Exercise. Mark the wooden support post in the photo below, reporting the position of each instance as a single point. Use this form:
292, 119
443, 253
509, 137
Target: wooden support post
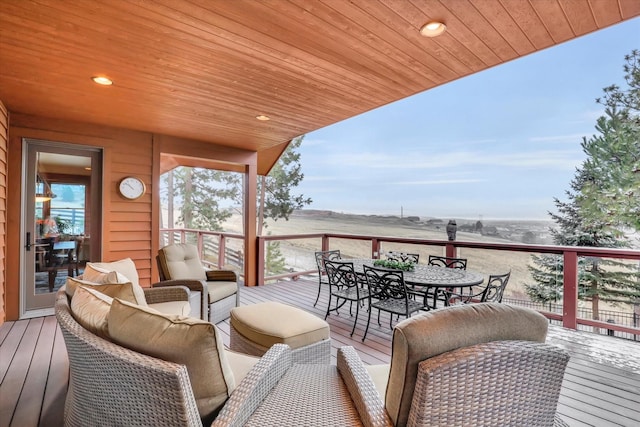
222, 251
252, 274
570, 293
375, 248
325, 243
450, 250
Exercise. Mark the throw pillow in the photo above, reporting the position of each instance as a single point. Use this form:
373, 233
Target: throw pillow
184, 340
100, 275
91, 309
126, 267
124, 291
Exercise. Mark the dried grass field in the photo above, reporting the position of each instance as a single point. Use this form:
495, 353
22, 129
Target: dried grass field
299, 253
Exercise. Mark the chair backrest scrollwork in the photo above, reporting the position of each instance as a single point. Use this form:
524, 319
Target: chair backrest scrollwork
449, 262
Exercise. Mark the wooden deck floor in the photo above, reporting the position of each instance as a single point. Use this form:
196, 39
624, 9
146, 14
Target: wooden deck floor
601, 385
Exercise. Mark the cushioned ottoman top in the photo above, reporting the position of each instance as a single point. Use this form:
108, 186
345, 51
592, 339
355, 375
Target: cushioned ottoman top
269, 323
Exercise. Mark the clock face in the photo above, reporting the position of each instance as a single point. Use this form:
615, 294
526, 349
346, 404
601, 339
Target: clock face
131, 188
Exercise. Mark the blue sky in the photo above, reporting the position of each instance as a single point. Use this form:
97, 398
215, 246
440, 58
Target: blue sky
498, 144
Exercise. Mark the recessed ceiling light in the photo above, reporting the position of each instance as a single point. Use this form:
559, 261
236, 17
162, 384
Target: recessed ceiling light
101, 80
262, 117
433, 29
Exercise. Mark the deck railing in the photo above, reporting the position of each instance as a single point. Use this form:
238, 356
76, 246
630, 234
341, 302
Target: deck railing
569, 317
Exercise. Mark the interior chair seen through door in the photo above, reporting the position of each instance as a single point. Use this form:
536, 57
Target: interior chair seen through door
220, 289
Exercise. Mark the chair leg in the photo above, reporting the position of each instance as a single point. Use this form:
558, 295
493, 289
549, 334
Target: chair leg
318, 297
328, 307
368, 321
355, 321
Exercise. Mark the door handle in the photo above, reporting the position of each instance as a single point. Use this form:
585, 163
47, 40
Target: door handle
28, 245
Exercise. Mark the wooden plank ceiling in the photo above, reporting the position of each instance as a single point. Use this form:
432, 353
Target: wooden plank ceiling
204, 69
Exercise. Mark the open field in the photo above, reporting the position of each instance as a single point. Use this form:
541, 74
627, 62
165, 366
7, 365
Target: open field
299, 253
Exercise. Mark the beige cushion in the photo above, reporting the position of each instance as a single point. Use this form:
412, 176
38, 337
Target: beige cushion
181, 261
91, 309
184, 340
269, 323
380, 376
221, 290
126, 267
240, 364
94, 274
126, 291
421, 337
178, 308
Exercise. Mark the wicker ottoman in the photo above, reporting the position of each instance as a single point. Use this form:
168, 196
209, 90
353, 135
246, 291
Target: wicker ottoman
255, 328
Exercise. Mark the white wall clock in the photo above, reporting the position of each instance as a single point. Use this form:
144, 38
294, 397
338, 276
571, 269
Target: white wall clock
131, 188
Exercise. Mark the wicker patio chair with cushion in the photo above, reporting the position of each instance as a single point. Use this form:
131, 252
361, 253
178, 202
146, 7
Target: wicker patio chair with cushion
388, 293
220, 291
344, 287
402, 257
109, 277
157, 383
515, 378
491, 292
322, 274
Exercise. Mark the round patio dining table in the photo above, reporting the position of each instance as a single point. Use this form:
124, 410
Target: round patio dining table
425, 277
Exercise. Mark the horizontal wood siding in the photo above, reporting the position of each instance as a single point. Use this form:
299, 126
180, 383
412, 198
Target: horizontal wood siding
129, 229
126, 231
4, 120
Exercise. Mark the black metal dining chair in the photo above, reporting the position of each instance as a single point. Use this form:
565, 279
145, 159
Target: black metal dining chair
322, 274
344, 287
448, 262
388, 292
402, 257
441, 294
493, 291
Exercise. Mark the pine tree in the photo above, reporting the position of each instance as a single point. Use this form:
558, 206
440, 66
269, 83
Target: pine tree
200, 193
601, 203
274, 259
276, 198
613, 199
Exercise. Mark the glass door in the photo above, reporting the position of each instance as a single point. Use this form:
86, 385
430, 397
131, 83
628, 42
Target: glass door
62, 220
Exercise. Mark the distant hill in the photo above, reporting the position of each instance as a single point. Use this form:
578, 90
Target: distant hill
520, 231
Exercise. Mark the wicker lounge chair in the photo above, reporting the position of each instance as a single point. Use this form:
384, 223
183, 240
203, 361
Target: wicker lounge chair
219, 289
113, 385
469, 365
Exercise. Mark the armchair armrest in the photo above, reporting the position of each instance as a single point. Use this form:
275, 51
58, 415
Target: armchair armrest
159, 295
194, 286
362, 389
222, 275
253, 389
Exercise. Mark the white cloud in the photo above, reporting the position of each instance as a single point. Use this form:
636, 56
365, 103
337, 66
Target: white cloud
439, 182
555, 159
576, 137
